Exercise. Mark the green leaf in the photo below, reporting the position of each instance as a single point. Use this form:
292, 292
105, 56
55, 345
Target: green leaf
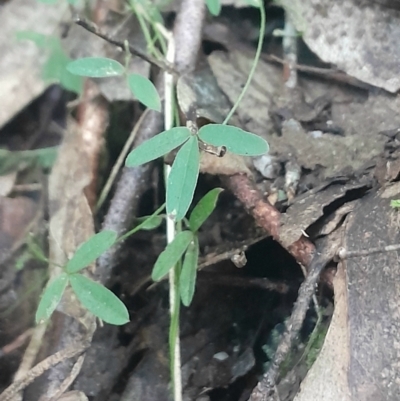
169, 257
35, 249
149, 222
187, 279
90, 250
22, 259
51, 297
41, 41
99, 300
144, 91
203, 209
395, 203
235, 139
158, 146
11, 161
95, 67
44, 157
214, 6
150, 10
182, 179
55, 70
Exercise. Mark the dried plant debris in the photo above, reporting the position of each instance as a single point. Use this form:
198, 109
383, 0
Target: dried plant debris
19, 61
359, 115
71, 223
309, 208
359, 358
359, 37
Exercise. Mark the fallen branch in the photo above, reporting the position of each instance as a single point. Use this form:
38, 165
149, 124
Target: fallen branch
326, 251
267, 216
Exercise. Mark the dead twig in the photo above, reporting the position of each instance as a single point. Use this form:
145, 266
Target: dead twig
69, 379
130, 187
343, 253
327, 73
93, 28
247, 282
18, 342
11, 391
188, 31
266, 216
120, 161
326, 251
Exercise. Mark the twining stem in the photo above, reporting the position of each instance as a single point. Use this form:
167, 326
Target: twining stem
254, 65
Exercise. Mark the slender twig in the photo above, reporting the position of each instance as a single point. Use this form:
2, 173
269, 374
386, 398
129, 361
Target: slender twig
18, 342
343, 253
131, 185
120, 161
93, 28
326, 73
10, 392
267, 216
247, 282
326, 251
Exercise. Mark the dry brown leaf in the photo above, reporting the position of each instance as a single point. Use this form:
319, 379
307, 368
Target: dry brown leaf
71, 223
20, 80
16, 215
229, 164
71, 220
327, 379
359, 37
7, 183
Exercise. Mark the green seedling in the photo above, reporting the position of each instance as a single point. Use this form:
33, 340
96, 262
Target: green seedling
182, 253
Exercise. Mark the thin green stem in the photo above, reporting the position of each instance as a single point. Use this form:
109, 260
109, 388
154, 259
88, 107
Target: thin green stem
253, 67
172, 228
128, 56
139, 227
145, 30
174, 327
